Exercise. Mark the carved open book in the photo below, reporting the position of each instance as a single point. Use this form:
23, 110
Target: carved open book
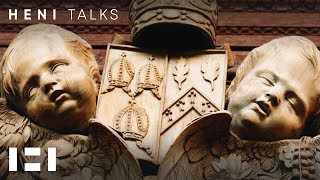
150, 97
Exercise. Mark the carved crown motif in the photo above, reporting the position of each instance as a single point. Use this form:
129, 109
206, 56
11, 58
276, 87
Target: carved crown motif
149, 76
121, 72
132, 122
173, 21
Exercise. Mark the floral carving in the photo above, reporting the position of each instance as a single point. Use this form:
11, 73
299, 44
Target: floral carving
210, 72
180, 71
299, 158
231, 168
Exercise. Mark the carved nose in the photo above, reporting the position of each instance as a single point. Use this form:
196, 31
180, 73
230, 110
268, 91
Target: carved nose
49, 86
273, 99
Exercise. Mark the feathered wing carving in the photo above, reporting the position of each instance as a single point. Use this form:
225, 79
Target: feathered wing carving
14, 132
207, 150
100, 155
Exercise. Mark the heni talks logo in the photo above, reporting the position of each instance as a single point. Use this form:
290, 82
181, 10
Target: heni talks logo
32, 151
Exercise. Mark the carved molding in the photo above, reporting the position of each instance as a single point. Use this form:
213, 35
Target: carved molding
224, 5
221, 30
268, 30
201, 15
76, 28
269, 6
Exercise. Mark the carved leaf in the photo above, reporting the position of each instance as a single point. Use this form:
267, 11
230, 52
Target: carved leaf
210, 71
180, 71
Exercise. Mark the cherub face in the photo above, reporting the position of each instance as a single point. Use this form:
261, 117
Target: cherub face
274, 99
56, 89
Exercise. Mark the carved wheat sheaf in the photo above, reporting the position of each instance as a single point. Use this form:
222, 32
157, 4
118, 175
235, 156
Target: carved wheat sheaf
180, 71
210, 72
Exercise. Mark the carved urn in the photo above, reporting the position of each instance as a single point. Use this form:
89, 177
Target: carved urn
174, 23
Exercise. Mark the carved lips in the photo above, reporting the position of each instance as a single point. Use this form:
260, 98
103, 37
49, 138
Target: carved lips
263, 108
58, 96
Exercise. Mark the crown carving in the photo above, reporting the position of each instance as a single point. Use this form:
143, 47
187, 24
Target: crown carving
151, 18
132, 122
150, 77
121, 72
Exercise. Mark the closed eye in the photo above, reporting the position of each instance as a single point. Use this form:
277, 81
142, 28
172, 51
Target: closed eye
31, 92
295, 103
267, 81
56, 67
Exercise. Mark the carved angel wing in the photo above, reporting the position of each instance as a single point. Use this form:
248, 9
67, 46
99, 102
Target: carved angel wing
207, 150
101, 155
14, 132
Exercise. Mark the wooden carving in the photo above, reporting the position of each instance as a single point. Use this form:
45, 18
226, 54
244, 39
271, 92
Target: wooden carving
262, 103
191, 102
101, 155
210, 71
132, 122
194, 96
207, 150
180, 71
150, 77
138, 122
120, 74
57, 86
178, 94
200, 15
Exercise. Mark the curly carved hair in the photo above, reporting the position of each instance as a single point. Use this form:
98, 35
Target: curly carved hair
77, 46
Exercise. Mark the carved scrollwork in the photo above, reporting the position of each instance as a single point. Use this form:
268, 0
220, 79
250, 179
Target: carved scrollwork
120, 74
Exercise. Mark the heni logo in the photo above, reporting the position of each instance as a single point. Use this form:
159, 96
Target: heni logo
32, 151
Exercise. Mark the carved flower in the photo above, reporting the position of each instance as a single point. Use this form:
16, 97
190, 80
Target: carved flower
231, 168
286, 154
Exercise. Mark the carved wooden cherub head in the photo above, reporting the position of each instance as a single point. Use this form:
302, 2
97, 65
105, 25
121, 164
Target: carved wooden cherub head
275, 91
50, 76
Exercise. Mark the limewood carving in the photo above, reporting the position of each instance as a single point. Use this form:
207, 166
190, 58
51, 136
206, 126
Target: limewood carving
100, 155
260, 139
165, 96
180, 71
207, 150
50, 81
210, 71
120, 74
197, 15
138, 120
150, 77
